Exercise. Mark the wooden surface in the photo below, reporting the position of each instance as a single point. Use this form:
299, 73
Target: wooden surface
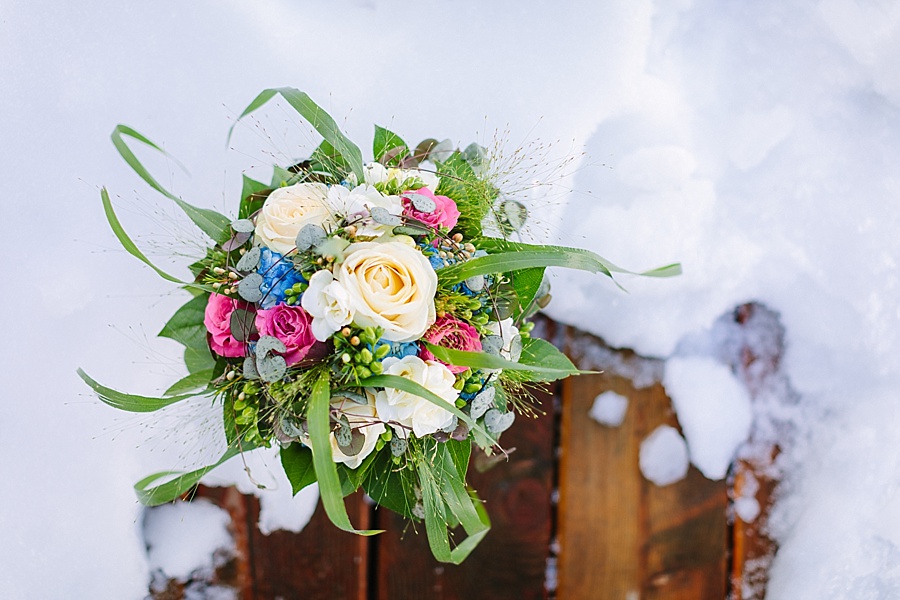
613, 534
510, 563
621, 536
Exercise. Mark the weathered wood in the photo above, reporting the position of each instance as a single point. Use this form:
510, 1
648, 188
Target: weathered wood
621, 536
319, 563
510, 563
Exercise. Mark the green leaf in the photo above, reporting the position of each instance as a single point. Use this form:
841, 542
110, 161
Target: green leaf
442, 492
198, 358
172, 489
297, 461
326, 471
326, 158
253, 195
526, 284
460, 451
186, 325
536, 369
386, 141
129, 402
390, 486
133, 250
318, 118
209, 221
543, 358
191, 382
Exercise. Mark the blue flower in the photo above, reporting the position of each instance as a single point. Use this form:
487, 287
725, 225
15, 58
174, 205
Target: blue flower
400, 349
278, 275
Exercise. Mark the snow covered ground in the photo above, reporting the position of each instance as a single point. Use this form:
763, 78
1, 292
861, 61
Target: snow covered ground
757, 143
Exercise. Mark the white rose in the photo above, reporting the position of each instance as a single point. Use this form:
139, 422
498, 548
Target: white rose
407, 410
360, 201
287, 210
328, 303
364, 419
391, 286
378, 173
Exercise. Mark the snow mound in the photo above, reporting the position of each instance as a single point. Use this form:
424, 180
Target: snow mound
609, 409
664, 456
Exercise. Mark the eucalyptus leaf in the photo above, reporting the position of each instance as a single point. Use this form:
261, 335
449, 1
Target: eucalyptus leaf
250, 371
243, 324
250, 260
398, 446
475, 283
236, 241
268, 344
243, 226
421, 202
383, 217
497, 421
492, 344
482, 402
310, 235
271, 368
249, 287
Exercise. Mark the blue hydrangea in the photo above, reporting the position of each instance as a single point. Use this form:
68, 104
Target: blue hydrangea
278, 275
400, 349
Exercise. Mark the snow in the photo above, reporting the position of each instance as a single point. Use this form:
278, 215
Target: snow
609, 408
663, 457
756, 143
183, 537
713, 410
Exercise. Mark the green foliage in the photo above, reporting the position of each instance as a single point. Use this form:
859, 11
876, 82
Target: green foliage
388, 148
473, 195
209, 221
318, 118
130, 402
297, 461
253, 195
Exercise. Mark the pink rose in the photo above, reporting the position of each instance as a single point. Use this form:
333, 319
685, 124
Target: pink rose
454, 334
217, 318
445, 215
291, 325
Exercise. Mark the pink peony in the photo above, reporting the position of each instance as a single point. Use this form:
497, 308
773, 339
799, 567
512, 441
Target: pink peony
217, 318
290, 324
454, 334
445, 215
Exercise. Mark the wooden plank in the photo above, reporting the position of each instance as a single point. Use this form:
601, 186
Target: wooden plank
510, 563
621, 536
319, 563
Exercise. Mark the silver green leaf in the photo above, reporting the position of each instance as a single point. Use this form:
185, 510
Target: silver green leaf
421, 202
383, 217
250, 260
248, 288
483, 402
398, 446
498, 422
271, 367
309, 236
243, 226
268, 344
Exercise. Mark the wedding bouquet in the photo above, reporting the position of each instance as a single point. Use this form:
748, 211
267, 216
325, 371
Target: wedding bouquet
369, 318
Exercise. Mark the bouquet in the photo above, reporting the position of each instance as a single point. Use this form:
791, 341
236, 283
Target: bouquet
369, 318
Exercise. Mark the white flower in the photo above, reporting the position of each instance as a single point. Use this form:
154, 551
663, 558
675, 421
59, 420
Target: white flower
392, 286
328, 302
287, 210
407, 410
378, 173
359, 202
364, 419
509, 333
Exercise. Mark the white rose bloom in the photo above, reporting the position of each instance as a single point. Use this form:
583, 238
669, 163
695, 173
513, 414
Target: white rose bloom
392, 286
359, 201
508, 333
363, 418
328, 303
287, 210
407, 410
378, 173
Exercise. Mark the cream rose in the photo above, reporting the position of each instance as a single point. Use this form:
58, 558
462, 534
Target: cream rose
392, 286
403, 410
364, 419
328, 302
287, 210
